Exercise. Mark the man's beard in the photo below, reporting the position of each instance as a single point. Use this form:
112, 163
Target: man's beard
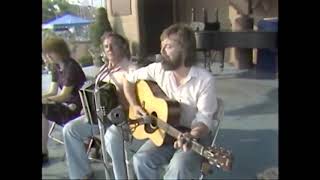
173, 64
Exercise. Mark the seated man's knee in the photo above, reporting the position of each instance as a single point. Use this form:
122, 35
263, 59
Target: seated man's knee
177, 165
112, 134
183, 167
136, 160
140, 159
71, 127
113, 140
181, 164
67, 129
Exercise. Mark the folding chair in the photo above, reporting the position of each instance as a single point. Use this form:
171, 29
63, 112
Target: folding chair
97, 140
53, 126
206, 168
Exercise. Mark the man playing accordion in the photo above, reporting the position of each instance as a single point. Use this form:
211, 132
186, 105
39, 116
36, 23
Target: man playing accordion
118, 64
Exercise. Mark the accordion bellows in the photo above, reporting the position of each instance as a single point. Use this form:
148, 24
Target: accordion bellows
108, 100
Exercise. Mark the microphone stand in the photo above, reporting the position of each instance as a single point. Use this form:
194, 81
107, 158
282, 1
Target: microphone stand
118, 118
100, 113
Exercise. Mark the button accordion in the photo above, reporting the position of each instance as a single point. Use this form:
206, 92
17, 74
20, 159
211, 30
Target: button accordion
108, 100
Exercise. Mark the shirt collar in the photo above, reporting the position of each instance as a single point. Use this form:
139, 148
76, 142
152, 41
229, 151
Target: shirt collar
192, 73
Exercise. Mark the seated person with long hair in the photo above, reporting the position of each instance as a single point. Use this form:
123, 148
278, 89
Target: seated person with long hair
68, 76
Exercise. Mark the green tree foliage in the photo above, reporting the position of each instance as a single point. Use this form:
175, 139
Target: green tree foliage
47, 33
100, 25
85, 60
49, 11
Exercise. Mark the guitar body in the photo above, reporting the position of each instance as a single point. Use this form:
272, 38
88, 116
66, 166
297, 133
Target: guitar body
153, 100
162, 118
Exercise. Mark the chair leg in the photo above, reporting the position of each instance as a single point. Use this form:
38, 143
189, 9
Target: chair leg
52, 137
51, 129
90, 145
96, 141
207, 60
222, 61
57, 140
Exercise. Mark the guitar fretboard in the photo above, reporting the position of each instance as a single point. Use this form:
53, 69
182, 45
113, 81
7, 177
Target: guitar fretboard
175, 133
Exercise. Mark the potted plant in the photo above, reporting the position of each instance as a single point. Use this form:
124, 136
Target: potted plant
97, 29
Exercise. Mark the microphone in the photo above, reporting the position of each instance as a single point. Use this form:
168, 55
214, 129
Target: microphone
118, 118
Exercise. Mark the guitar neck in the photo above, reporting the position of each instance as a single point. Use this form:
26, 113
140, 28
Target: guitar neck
175, 133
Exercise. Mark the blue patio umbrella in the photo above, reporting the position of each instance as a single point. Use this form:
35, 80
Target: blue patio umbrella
64, 21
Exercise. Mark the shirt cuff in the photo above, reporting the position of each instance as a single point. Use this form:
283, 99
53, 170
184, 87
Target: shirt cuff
209, 122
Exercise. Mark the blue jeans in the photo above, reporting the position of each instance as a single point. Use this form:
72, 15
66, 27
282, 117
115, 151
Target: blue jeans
115, 148
75, 132
182, 165
78, 130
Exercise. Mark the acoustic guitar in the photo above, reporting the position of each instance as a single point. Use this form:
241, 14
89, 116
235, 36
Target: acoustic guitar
163, 117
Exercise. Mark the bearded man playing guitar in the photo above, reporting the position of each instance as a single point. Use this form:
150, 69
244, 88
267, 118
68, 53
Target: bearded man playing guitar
194, 88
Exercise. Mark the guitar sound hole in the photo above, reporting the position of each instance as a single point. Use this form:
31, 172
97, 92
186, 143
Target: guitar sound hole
150, 128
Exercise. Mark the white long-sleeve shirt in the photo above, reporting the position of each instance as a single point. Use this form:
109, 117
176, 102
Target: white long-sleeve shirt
197, 95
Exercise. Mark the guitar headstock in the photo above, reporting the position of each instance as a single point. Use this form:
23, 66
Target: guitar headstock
219, 157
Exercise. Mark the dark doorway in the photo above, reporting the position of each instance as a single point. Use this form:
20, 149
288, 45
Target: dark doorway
157, 15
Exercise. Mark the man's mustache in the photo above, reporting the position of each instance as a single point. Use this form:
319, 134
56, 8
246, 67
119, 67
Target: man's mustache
161, 57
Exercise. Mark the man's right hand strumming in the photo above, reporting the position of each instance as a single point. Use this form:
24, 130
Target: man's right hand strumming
138, 111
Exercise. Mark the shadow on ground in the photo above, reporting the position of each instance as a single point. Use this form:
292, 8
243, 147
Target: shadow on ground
257, 150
